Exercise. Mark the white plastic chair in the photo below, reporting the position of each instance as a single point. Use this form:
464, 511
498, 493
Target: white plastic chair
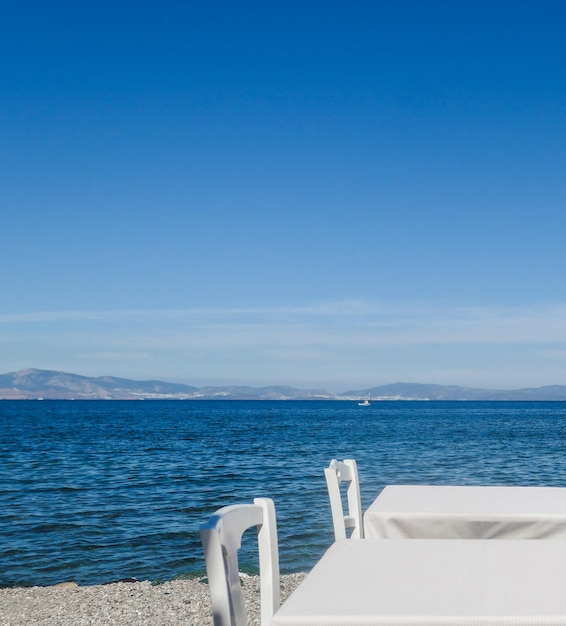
345, 472
221, 539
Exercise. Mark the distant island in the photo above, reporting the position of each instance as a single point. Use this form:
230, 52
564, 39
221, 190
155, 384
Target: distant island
36, 384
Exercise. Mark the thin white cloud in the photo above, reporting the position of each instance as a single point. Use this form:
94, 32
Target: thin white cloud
553, 354
116, 356
345, 308
343, 323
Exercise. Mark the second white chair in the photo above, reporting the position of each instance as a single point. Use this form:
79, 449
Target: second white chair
345, 472
221, 539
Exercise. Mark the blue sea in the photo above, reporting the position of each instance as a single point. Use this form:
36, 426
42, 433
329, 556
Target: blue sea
99, 491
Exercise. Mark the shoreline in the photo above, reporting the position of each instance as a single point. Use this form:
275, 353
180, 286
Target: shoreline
184, 602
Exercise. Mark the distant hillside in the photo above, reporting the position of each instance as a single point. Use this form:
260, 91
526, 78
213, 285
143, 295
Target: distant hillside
30, 384
46, 384
415, 391
33, 383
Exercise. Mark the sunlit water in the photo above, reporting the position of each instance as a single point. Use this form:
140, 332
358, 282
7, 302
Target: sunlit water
105, 490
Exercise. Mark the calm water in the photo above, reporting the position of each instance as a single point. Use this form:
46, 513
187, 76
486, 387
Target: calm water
104, 490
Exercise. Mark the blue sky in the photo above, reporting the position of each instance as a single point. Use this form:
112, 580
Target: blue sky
332, 194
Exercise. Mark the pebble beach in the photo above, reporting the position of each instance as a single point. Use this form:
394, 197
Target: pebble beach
174, 603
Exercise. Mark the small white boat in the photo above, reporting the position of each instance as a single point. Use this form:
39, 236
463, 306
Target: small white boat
366, 402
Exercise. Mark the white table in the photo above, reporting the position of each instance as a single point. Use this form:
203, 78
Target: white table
429, 582
444, 512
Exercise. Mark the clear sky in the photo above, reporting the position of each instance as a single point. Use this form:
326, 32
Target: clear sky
315, 193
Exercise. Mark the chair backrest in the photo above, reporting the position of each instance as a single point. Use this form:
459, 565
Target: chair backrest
221, 539
345, 472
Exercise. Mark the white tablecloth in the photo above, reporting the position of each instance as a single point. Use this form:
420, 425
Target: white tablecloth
443, 512
375, 582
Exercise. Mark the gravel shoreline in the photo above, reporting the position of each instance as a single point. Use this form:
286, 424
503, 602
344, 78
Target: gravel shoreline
174, 603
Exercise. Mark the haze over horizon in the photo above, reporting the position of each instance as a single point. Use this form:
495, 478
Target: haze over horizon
306, 194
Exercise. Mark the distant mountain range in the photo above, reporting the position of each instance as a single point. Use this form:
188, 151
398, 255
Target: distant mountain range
34, 384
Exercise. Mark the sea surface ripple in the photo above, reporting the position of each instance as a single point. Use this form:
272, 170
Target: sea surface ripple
97, 491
